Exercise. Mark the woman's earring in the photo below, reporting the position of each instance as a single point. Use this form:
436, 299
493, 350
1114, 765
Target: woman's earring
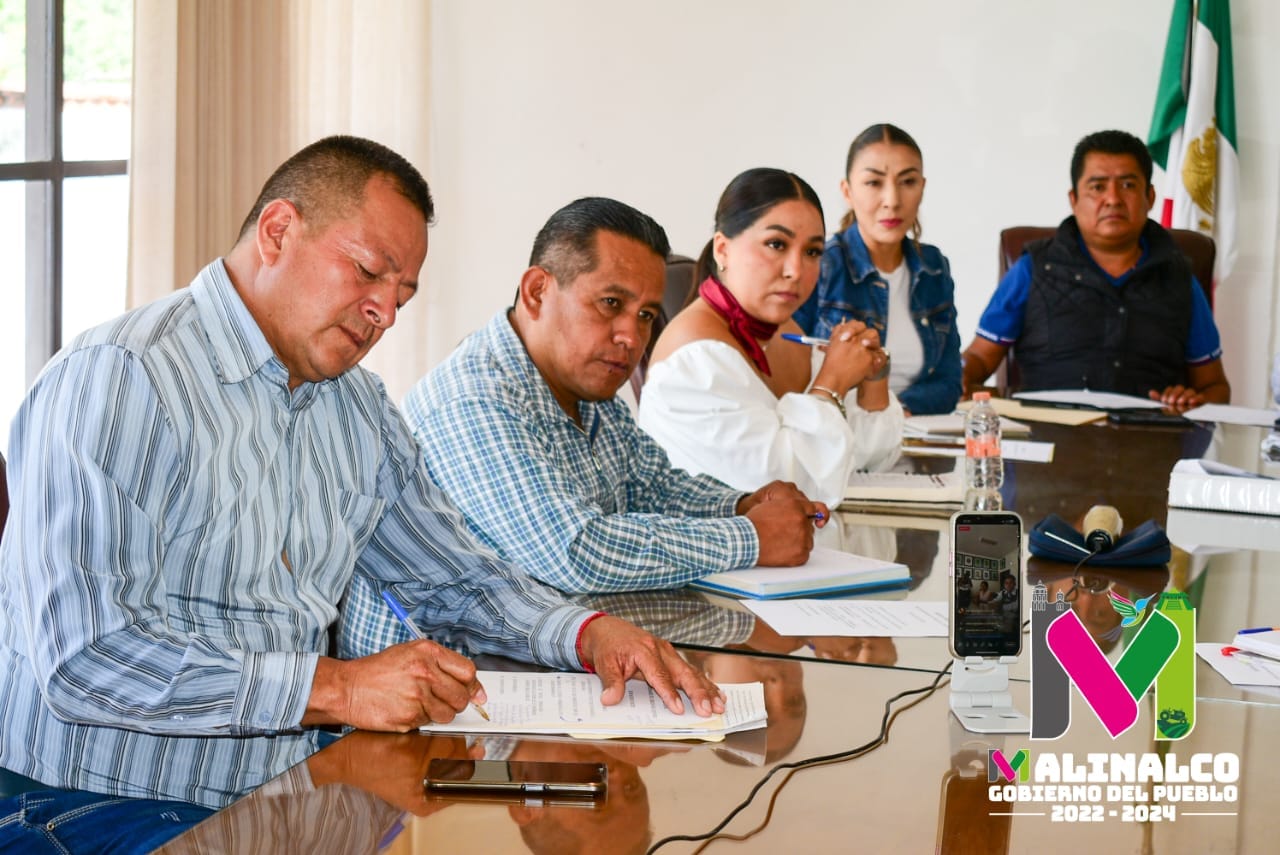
720, 266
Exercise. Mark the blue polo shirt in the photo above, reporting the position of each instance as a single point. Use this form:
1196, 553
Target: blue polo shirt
1001, 322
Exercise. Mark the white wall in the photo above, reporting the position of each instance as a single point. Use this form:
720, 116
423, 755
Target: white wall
661, 103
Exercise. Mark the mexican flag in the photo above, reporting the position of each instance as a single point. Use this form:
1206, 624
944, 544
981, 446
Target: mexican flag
1193, 131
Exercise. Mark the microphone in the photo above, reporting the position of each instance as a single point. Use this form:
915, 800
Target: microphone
1102, 526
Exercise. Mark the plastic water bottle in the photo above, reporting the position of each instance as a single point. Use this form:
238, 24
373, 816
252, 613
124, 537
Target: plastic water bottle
983, 465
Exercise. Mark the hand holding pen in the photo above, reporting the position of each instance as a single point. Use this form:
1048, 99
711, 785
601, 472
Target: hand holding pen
784, 519
853, 357
403, 616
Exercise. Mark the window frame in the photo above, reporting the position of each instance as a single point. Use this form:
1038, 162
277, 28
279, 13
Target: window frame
44, 170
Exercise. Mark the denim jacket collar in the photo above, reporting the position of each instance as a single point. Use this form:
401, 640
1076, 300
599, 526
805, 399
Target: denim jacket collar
859, 257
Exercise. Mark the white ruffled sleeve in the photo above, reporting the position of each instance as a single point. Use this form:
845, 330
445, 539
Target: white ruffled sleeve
712, 413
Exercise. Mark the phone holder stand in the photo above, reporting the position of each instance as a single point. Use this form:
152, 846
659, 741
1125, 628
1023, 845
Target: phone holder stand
980, 696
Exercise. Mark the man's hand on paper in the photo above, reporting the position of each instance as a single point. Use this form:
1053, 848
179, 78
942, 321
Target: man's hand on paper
391, 766
619, 651
399, 689
1177, 398
784, 519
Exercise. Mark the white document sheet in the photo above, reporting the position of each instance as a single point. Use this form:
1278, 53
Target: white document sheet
1238, 669
853, 618
525, 702
1226, 414
1025, 449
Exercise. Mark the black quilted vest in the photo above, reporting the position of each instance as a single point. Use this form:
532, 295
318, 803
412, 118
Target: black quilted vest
1080, 331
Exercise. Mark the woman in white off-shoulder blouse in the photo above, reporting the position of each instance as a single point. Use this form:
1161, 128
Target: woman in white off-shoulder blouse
727, 395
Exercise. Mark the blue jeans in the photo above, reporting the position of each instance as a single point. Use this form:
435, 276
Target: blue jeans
75, 821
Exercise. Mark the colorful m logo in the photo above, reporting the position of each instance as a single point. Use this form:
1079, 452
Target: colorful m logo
1162, 652
1019, 768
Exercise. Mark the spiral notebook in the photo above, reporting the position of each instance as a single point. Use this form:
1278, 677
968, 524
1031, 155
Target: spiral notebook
828, 571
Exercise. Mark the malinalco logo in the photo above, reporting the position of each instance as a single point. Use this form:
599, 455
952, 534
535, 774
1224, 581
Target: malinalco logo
1013, 769
1063, 653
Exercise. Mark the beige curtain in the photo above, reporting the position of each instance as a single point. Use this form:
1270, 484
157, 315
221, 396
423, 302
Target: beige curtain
224, 90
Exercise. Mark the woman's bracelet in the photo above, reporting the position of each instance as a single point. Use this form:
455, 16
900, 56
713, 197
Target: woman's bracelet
836, 399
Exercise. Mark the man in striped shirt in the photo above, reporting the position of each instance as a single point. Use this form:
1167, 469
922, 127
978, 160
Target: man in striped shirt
195, 484
523, 430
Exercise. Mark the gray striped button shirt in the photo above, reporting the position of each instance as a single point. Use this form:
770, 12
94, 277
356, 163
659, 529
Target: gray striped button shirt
183, 528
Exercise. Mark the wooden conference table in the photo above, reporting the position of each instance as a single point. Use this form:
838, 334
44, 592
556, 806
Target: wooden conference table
926, 788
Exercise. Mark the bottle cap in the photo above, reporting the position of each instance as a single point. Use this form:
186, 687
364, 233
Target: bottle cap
981, 396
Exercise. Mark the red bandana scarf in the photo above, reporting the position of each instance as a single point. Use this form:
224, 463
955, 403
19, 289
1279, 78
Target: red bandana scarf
748, 331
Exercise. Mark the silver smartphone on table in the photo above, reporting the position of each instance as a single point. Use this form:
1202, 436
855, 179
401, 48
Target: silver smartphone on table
540, 781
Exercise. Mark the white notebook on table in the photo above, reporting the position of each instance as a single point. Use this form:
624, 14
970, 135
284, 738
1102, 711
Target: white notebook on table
828, 571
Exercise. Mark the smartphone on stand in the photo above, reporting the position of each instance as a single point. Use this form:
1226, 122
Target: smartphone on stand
986, 584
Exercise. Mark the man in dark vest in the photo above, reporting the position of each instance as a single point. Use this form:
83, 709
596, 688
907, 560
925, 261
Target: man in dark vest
1108, 303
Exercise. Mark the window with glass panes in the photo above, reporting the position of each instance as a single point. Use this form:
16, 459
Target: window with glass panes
66, 71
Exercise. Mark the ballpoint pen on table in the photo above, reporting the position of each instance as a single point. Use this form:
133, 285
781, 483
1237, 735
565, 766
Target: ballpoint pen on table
932, 439
1255, 629
403, 617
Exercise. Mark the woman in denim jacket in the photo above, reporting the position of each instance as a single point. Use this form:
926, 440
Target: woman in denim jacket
874, 272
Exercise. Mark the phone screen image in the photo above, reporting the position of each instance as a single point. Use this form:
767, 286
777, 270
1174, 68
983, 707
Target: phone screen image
986, 584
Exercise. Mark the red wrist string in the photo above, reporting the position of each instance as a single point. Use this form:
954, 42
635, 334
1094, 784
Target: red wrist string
577, 644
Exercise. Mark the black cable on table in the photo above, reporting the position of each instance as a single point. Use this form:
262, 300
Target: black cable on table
809, 762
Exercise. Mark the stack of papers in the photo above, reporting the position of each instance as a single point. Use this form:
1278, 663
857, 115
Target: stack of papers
1086, 399
1226, 414
556, 703
1264, 642
905, 492
1212, 486
952, 425
1240, 668
854, 618
828, 571
1030, 412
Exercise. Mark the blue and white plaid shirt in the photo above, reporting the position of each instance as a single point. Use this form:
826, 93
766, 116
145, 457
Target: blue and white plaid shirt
183, 528
587, 509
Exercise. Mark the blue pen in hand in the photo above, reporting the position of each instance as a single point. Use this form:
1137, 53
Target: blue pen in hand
812, 341
403, 617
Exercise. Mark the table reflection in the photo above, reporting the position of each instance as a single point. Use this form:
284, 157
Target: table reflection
700, 620
1087, 591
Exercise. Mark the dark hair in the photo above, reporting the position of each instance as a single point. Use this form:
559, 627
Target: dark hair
881, 133
328, 178
1110, 142
749, 197
566, 245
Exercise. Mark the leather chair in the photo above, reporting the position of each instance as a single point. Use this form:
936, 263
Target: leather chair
1199, 250
679, 288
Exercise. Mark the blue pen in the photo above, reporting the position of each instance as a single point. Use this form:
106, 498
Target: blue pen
403, 617
1256, 629
806, 339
